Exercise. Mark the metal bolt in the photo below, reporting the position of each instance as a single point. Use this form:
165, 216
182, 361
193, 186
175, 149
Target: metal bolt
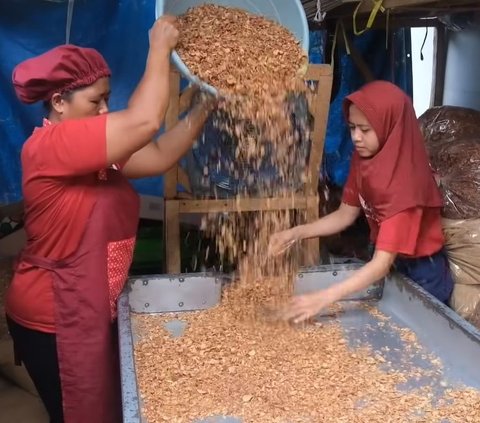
335, 273
180, 304
181, 280
147, 305
145, 282
300, 275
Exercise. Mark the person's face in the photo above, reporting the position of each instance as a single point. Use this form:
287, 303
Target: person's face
364, 137
84, 102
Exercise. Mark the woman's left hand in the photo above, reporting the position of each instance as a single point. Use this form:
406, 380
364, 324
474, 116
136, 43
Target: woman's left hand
306, 306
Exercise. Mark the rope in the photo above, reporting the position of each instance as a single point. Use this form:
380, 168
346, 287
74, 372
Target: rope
319, 16
68, 28
377, 6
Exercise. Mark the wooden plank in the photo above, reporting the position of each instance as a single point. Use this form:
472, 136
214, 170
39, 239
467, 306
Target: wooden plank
183, 179
245, 204
170, 179
316, 72
396, 22
172, 236
186, 98
320, 106
367, 6
311, 256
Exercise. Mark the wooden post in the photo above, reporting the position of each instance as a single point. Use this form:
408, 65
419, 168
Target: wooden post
319, 107
171, 119
172, 236
171, 224
307, 201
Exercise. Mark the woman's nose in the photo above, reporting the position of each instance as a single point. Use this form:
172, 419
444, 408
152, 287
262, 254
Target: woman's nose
103, 108
356, 135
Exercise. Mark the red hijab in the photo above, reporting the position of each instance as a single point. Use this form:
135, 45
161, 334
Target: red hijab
398, 177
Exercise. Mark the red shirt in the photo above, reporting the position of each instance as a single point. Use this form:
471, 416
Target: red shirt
60, 164
415, 232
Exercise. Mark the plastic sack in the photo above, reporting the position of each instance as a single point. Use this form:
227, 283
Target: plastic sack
465, 300
449, 123
457, 169
462, 242
452, 139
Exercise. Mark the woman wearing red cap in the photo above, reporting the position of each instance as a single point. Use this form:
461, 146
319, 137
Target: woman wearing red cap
390, 180
81, 218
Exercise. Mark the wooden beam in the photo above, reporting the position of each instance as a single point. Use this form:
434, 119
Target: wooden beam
396, 22
186, 98
170, 179
246, 204
316, 72
366, 7
312, 246
183, 179
172, 236
319, 107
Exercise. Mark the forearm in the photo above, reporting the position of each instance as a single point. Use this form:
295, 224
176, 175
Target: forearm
373, 271
130, 130
151, 97
329, 225
175, 143
159, 156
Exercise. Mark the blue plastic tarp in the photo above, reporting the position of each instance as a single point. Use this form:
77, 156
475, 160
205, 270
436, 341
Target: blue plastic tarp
117, 28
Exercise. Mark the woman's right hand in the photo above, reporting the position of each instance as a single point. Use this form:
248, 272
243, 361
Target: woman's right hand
282, 241
164, 33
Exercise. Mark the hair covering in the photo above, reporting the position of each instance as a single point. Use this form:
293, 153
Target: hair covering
398, 177
61, 69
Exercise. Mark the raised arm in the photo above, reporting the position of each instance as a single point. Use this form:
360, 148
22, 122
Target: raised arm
131, 129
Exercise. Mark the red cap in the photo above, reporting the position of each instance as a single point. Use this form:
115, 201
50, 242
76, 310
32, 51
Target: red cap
59, 70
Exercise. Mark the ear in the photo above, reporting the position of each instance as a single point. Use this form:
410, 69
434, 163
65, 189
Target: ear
58, 103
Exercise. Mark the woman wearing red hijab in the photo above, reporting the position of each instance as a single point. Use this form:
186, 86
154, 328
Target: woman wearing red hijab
81, 217
390, 180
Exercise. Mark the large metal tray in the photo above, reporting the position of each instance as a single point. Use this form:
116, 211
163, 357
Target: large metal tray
439, 330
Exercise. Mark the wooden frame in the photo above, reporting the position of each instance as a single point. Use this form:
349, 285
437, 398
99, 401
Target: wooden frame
180, 203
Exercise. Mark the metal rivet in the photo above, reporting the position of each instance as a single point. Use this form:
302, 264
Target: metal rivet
145, 283
181, 280
335, 273
180, 304
147, 305
300, 275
